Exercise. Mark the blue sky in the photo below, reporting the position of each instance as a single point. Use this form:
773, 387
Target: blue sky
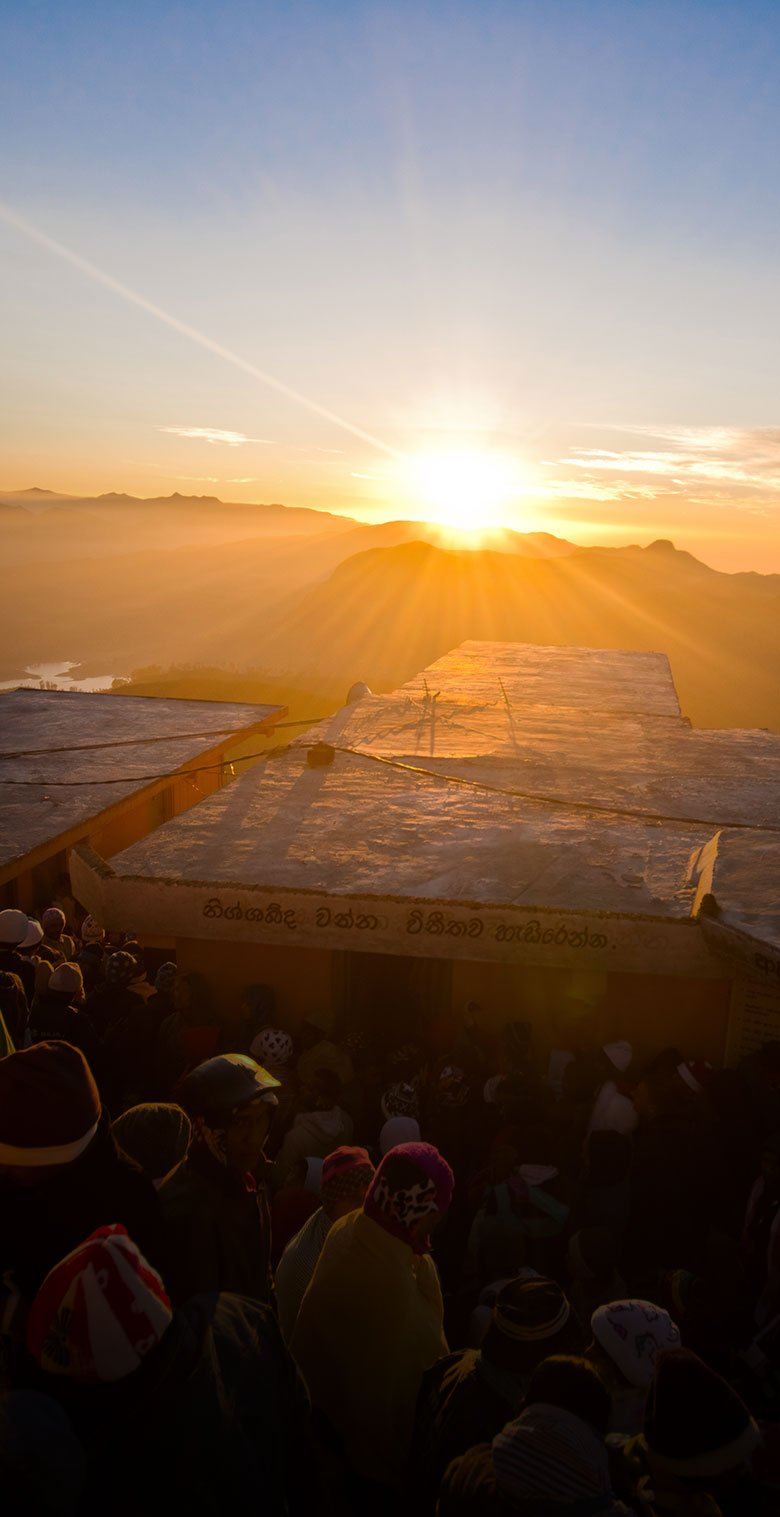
521, 227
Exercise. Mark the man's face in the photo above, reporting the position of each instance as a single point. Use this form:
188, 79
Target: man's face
246, 1135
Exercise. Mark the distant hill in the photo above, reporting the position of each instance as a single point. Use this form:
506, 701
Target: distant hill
317, 600
386, 613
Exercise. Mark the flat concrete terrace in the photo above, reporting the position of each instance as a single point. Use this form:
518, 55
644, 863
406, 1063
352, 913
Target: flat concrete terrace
483, 805
117, 743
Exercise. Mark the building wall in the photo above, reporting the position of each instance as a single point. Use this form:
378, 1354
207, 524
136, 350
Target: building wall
651, 1011
305, 980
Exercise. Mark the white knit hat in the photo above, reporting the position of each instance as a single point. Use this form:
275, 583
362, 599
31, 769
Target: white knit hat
34, 934
633, 1334
14, 926
67, 979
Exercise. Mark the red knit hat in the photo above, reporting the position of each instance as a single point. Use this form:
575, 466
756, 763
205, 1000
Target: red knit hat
99, 1312
49, 1105
346, 1172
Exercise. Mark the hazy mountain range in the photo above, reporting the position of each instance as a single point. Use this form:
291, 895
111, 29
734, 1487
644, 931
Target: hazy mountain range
314, 598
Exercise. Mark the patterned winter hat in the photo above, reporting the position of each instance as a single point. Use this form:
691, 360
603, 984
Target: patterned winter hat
165, 978
347, 1172
273, 1047
401, 1100
634, 1334
99, 1312
452, 1088
91, 931
121, 968
413, 1181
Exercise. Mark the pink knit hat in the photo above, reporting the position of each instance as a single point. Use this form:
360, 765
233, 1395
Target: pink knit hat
412, 1181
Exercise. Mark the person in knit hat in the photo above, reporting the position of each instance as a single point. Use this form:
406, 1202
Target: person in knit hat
14, 928
371, 1321
693, 1458
346, 1176
114, 999
91, 931
550, 1458
198, 1408
61, 1173
318, 1128
467, 1397
58, 1013
56, 943
156, 1135
401, 1100
215, 1204
628, 1339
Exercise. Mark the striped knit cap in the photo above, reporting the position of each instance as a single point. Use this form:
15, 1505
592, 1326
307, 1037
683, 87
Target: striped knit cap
548, 1454
99, 1312
347, 1172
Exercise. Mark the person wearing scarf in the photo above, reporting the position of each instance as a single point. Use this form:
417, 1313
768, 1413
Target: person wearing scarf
371, 1321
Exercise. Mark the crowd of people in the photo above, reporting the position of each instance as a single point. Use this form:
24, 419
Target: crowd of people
380, 1266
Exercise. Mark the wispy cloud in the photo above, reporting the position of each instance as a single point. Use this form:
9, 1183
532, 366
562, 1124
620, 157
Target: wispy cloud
214, 435
745, 459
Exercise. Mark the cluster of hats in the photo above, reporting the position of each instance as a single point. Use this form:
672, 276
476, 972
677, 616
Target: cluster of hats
66, 980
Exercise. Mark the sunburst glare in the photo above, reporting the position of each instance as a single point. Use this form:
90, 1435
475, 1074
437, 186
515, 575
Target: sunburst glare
467, 492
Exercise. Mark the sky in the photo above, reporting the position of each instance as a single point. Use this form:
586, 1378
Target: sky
513, 260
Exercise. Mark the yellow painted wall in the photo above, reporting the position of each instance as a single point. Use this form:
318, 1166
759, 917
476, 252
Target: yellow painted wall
652, 1011
302, 978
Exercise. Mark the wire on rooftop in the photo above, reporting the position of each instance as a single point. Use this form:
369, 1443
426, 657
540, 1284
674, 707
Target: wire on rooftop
420, 771
170, 737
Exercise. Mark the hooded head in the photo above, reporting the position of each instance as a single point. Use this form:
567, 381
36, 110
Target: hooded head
410, 1191
346, 1176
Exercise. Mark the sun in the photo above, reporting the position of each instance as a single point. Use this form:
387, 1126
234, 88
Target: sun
465, 491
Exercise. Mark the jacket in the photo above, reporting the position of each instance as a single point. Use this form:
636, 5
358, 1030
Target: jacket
463, 1401
370, 1325
217, 1229
215, 1421
313, 1135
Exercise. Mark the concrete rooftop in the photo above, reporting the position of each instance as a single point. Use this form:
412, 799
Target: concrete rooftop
147, 736
579, 735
